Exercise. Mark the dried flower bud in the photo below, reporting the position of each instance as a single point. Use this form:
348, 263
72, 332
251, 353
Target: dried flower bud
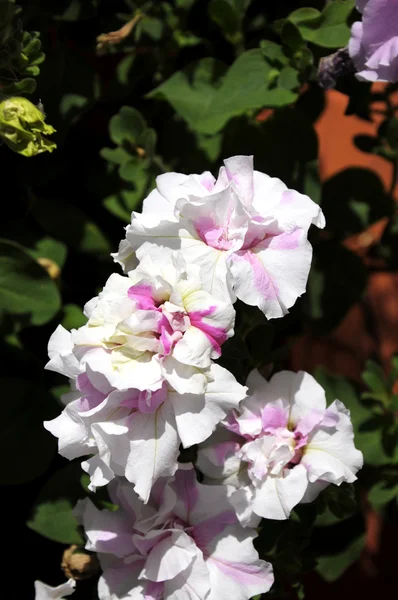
78, 564
334, 66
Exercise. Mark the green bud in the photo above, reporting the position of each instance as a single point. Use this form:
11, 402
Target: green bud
22, 126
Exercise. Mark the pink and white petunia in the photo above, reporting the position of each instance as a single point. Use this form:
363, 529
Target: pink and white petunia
285, 447
156, 324
373, 45
247, 231
138, 433
185, 543
47, 592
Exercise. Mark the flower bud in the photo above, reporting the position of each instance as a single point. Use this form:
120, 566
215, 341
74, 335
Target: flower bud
22, 126
78, 564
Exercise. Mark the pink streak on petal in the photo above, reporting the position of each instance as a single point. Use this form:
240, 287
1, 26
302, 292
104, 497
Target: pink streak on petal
273, 418
284, 241
207, 181
142, 294
223, 449
206, 531
262, 281
243, 573
216, 335
309, 421
166, 335
233, 425
212, 234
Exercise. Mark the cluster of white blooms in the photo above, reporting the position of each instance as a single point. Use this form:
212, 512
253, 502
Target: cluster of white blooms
144, 383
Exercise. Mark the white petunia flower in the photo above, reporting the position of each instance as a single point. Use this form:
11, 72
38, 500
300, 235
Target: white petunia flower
137, 433
156, 324
247, 231
284, 448
185, 543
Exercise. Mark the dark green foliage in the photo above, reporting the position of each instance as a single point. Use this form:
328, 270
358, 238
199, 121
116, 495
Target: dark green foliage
182, 85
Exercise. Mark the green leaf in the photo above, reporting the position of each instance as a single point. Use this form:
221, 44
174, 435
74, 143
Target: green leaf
328, 29
25, 287
245, 87
289, 78
25, 86
368, 441
26, 448
127, 125
191, 90
124, 67
52, 514
291, 36
69, 224
207, 104
382, 493
374, 377
228, 15
333, 566
122, 203
72, 104
273, 53
73, 317
117, 156
49, 248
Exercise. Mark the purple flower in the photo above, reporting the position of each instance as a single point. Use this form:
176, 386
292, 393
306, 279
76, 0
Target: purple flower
374, 41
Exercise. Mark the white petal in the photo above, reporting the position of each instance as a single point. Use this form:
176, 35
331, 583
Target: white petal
273, 277
184, 379
154, 447
46, 592
60, 352
191, 584
106, 531
330, 454
198, 414
169, 557
276, 496
235, 568
71, 432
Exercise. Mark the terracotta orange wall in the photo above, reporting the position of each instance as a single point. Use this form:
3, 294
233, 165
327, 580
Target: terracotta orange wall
347, 348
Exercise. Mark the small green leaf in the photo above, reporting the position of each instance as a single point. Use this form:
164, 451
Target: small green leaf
381, 494
333, 566
375, 379
25, 86
49, 248
328, 29
127, 125
228, 15
25, 287
273, 53
289, 78
190, 91
117, 156
291, 36
73, 317
52, 514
